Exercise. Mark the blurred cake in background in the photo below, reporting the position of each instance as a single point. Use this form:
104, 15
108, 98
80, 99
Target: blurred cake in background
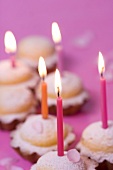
73, 93
32, 47
20, 75
37, 136
15, 105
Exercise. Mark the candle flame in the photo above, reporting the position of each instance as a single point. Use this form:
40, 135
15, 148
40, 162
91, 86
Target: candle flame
10, 42
101, 65
56, 35
58, 86
42, 67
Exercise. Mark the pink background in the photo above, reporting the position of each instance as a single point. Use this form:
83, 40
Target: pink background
75, 18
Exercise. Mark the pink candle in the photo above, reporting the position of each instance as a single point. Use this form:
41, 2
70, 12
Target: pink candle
13, 63
103, 92
103, 102
56, 35
60, 139
60, 127
10, 46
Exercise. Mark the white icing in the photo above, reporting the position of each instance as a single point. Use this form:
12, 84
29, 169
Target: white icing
100, 137
27, 147
70, 82
8, 73
79, 99
50, 61
51, 161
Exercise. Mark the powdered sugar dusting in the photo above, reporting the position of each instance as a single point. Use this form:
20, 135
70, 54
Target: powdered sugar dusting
75, 85
27, 147
37, 126
100, 138
67, 77
54, 162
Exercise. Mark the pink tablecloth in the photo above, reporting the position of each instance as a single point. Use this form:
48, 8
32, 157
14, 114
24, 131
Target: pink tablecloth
86, 27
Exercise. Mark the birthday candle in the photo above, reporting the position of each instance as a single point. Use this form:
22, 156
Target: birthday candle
60, 139
101, 67
43, 72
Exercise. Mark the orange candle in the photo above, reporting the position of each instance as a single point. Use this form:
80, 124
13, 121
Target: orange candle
43, 72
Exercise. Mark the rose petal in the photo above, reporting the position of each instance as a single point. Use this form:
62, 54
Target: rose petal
7, 161
84, 40
73, 155
16, 168
37, 126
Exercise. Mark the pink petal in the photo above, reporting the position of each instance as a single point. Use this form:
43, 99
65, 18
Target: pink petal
16, 168
73, 155
37, 126
7, 161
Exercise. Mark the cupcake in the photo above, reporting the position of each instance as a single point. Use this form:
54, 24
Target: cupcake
70, 161
20, 75
15, 105
36, 136
32, 47
97, 143
73, 94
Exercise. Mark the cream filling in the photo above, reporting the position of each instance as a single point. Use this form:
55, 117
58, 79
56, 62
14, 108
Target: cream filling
31, 83
28, 148
16, 116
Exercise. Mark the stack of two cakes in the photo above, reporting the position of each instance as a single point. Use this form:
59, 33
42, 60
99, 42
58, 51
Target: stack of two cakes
17, 99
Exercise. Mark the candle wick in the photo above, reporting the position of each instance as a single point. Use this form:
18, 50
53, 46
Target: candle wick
43, 77
58, 92
101, 74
